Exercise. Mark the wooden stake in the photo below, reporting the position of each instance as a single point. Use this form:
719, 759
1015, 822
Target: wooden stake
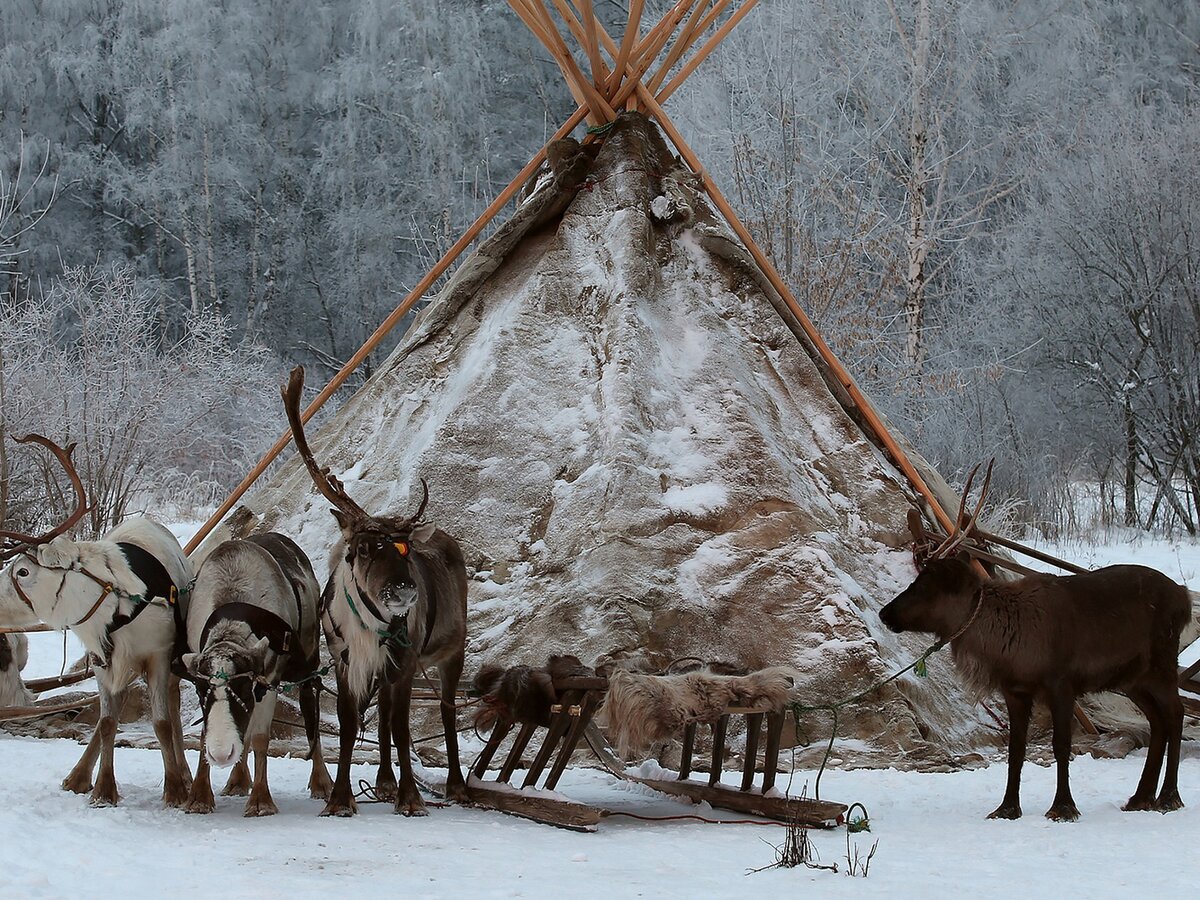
708, 47
866, 410
627, 43
387, 325
682, 41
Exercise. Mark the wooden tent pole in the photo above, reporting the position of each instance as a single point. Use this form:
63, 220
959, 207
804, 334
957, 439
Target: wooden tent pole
682, 42
599, 71
711, 44
872, 419
388, 324
538, 21
417, 293
627, 41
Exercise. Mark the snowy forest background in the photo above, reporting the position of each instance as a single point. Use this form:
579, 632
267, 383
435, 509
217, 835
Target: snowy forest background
990, 207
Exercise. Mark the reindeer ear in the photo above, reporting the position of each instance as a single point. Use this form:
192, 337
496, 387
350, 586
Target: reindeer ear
259, 649
60, 553
423, 533
963, 557
342, 519
189, 662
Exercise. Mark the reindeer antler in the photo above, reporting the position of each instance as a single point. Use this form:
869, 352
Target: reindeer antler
962, 531
416, 517
13, 542
328, 484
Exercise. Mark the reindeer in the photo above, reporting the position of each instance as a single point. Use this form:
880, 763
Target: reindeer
121, 597
395, 601
1054, 638
253, 621
14, 654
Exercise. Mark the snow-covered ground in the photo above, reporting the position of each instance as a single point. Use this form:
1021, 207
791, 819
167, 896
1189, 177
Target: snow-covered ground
933, 837
933, 841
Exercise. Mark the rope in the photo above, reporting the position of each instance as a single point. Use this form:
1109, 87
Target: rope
918, 666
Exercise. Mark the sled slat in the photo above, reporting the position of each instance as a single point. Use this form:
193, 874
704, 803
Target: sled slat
685, 755
753, 727
718, 750
514, 754
771, 752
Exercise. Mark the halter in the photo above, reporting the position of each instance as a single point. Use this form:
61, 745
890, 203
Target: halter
965, 625
106, 587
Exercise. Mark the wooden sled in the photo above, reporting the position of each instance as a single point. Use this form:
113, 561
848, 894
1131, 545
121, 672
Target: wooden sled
571, 721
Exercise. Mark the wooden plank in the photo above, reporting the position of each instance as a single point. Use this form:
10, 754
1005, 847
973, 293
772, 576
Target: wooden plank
499, 732
771, 751
558, 727
811, 813
753, 728
685, 755
37, 685
514, 754
591, 700
546, 810
33, 712
27, 629
718, 750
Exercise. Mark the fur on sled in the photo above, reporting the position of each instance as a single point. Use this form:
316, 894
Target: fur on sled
642, 710
522, 693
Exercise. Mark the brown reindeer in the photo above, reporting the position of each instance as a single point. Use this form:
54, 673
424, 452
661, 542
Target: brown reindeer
1054, 638
396, 600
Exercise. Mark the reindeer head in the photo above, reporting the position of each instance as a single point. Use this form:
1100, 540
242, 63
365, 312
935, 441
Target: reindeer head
37, 561
378, 548
230, 674
940, 598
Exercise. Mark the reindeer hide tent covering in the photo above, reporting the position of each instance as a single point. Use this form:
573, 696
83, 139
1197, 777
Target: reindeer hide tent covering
638, 451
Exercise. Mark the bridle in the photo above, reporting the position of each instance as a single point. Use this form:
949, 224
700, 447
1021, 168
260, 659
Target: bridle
106, 587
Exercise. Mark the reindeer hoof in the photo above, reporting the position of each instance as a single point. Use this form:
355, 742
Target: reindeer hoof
457, 793
263, 807
198, 806
320, 788
410, 803
385, 789
1168, 802
1006, 811
1062, 812
1139, 804
102, 798
175, 795
78, 784
340, 809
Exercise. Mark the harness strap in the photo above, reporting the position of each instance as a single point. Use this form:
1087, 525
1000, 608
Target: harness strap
263, 623
385, 635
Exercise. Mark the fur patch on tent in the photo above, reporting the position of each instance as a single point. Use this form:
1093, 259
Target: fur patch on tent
642, 710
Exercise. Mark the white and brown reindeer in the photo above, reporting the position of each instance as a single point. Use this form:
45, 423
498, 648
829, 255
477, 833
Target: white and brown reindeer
14, 656
395, 601
253, 622
120, 596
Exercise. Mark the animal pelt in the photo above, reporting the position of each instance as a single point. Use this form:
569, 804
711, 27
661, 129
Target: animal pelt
14, 653
522, 693
642, 710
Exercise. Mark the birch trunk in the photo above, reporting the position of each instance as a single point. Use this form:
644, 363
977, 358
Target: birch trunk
917, 241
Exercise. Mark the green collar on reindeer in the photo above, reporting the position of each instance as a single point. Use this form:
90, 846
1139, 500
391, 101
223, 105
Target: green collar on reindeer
398, 634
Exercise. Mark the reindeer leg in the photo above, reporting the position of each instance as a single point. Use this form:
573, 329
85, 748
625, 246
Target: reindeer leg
1062, 710
319, 783
260, 802
175, 714
450, 671
1172, 714
238, 783
79, 780
1143, 796
341, 801
200, 798
385, 778
408, 798
1019, 708
104, 792
158, 677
